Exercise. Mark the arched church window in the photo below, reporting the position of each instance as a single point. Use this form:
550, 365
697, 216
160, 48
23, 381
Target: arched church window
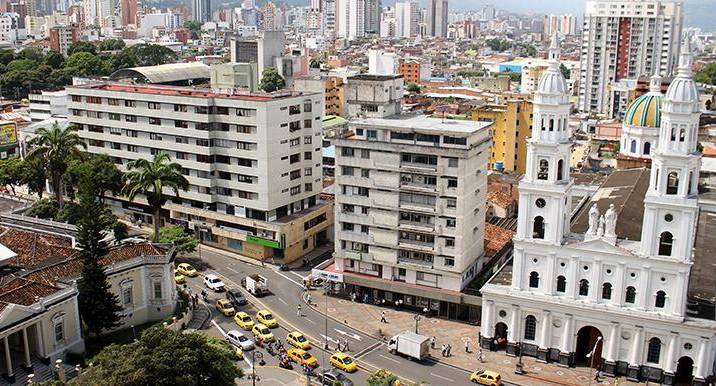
656, 180
660, 300
584, 287
560, 170
561, 284
534, 279
672, 183
654, 351
630, 295
682, 135
538, 228
544, 124
647, 148
607, 291
666, 240
543, 171
551, 124
673, 133
691, 182
633, 146
530, 327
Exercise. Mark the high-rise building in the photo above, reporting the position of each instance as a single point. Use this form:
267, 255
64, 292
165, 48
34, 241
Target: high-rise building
374, 96
407, 18
625, 39
253, 160
437, 18
129, 12
564, 24
61, 37
329, 18
201, 10
350, 18
373, 9
488, 12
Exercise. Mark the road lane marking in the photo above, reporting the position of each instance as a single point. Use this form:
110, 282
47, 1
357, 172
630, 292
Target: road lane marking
282, 301
354, 336
368, 350
390, 359
297, 274
443, 378
289, 279
233, 270
310, 321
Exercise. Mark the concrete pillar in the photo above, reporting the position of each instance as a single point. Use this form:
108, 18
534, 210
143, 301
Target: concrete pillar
546, 332
702, 368
26, 344
613, 343
488, 322
636, 347
619, 287
567, 334
644, 298
670, 364
8, 359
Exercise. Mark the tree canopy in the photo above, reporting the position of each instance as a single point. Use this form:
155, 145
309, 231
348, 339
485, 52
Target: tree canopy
150, 54
165, 357
111, 45
183, 240
81, 46
707, 74
271, 80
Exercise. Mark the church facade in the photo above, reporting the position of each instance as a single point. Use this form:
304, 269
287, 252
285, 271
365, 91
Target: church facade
596, 298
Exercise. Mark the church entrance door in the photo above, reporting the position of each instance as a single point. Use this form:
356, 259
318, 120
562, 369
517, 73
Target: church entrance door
684, 371
589, 338
501, 335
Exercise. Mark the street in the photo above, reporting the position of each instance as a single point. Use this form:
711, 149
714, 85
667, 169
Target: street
286, 294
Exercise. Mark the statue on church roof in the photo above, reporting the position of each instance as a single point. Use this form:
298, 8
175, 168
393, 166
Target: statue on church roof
600, 230
593, 220
610, 219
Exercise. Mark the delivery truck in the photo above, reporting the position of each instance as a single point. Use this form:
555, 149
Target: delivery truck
410, 344
256, 284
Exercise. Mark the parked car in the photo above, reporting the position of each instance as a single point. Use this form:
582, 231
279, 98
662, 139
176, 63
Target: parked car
238, 339
213, 282
187, 270
179, 278
225, 307
486, 377
236, 298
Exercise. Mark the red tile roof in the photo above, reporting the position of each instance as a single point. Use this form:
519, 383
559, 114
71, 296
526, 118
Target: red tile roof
498, 198
496, 238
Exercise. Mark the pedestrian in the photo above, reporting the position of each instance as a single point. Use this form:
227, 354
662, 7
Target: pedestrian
338, 344
479, 355
298, 310
345, 345
467, 346
308, 299
443, 350
449, 348
382, 317
598, 375
432, 343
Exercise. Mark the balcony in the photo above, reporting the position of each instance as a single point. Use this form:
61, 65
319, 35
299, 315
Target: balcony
416, 226
361, 256
421, 263
425, 168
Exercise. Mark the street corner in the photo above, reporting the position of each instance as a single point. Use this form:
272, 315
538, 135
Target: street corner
273, 376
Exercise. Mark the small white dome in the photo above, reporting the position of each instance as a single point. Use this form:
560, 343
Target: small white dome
682, 90
552, 82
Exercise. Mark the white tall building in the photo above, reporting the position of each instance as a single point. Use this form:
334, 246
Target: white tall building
437, 18
201, 10
9, 27
565, 24
350, 18
626, 39
407, 18
621, 299
373, 9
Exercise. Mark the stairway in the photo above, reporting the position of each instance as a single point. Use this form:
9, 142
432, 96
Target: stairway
199, 318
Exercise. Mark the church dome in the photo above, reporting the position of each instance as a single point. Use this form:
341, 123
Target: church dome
552, 82
682, 90
644, 111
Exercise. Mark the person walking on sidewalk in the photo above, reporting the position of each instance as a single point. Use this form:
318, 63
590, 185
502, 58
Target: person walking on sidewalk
432, 343
467, 346
382, 317
345, 345
298, 310
480, 357
443, 351
448, 349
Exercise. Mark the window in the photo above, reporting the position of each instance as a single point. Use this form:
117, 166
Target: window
130, 118
672, 183
543, 171
128, 103
449, 242
450, 222
660, 300
452, 162
58, 321
295, 174
451, 203
126, 293
307, 139
538, 228
294, 126
371, 134
183, 140
633, 146
308, 187
115, 131
534, 279
347, 151
76, 98
155, 121
647, 148
295, 158
666, 241
560, 170
607, 291
452, 183
153, 105
95, 100
365, 153
630, 295
114, 116
561, 284
454, 140
181, 108
530, 327
132, 148
181, 124
157, 288
295, 190
307, 124
294, 142
449, 262
155, 137
654, 351
307, 155
202, 142
584, 287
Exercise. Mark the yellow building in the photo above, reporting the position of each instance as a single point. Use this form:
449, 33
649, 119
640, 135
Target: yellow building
512, 126
332, 86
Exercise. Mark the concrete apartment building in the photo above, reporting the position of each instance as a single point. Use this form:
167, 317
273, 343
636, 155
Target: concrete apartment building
61, 37
512, 126
374, 96
253, 160
626, 39
332, 86
410, 201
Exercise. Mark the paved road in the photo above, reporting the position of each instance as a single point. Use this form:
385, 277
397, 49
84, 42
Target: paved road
286, 293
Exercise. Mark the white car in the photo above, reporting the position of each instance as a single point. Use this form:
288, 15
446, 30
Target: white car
239, 340
213, 282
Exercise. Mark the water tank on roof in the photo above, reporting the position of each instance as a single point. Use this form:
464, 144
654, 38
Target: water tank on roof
499, 166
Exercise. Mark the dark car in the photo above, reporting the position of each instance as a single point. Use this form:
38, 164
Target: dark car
330, 377
235, 297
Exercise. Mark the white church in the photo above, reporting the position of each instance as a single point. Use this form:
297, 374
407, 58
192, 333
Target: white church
599, 291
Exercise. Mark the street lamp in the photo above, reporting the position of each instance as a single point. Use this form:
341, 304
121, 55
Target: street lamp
591, 357
254, 355
417, 319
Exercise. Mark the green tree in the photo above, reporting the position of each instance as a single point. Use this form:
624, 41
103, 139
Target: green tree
120, 230
62, 77
7, 56
177, 235
195, 28
84, 63
150, 177
81, 46
498, 45
35, 176
99, 308
56, 146
34, 54
21, 65
271, 80
566, 72
315, 63
116, 62
150, 54
12, 173
382, 377
97, 176
707, 74
111, 45
164, 357
55, 60
413, 88
43, 208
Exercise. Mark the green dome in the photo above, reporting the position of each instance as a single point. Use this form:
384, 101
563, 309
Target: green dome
644, 111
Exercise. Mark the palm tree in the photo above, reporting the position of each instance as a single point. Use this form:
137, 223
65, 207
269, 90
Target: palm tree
150, 177
54, 147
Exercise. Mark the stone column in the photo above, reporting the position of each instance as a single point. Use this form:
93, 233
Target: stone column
635, 353
26, 344
565, 354
517, 268
701, 367
544, 338
612, 349
513, 332
644, 298
488, 324
619, 287
8, 360
670, 364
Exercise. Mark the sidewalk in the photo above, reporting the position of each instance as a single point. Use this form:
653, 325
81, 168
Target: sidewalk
366, 318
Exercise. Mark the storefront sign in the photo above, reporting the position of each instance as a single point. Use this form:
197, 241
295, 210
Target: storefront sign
264, 242
137, 207
327, 275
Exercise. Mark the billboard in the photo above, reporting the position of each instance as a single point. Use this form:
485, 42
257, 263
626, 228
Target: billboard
8, 133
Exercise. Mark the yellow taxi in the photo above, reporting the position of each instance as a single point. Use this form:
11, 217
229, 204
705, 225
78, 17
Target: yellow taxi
343, 362
239, 353
298, 340
486, 377
225, 307
179, 278
263, 333
187, 270
302, 357
266, 318
243, 320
